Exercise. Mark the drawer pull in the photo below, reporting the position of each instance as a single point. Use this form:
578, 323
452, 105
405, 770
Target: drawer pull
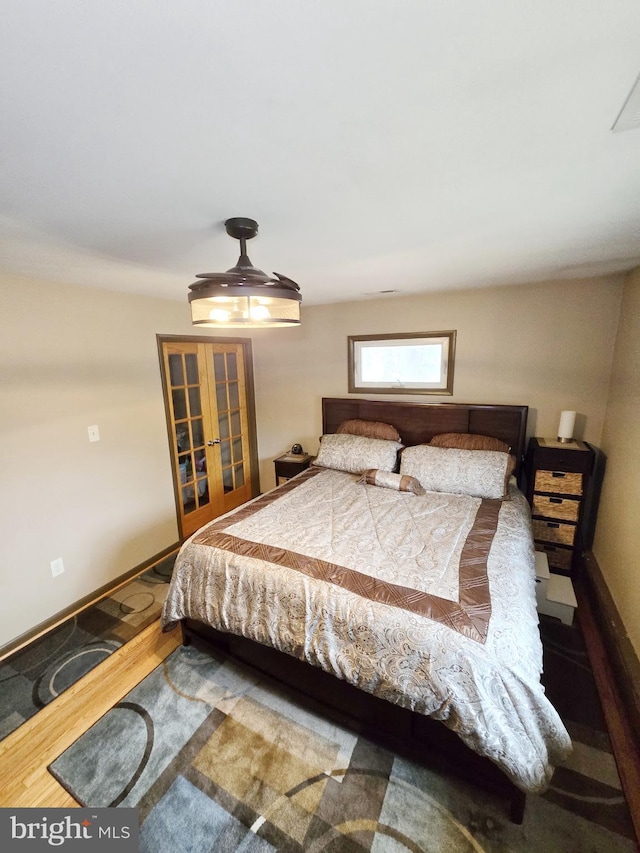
557, 473
552, 524
555, 500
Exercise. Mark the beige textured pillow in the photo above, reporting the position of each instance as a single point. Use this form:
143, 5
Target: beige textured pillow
370, 429
355, 453
480, 473
469, 441
389, 480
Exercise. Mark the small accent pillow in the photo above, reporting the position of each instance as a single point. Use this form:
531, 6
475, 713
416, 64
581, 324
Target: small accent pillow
355, 453
370, 429
389, 480
469, 441
480, 473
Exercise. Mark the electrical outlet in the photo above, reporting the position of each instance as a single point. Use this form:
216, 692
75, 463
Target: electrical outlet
94, 434
57, 567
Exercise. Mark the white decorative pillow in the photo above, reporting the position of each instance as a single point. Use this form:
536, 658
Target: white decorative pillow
355, 453
389, 480
480, 473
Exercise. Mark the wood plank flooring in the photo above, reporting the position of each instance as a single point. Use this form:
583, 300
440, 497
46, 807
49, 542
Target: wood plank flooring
26, 752
625, 742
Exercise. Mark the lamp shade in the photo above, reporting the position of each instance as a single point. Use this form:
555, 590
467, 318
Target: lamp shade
566, 426
244, 296
240, 306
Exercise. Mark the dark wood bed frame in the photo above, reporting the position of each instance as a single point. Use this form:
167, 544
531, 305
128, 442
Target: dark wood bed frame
409, 734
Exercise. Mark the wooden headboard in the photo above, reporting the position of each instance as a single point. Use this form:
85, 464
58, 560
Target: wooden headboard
417, 423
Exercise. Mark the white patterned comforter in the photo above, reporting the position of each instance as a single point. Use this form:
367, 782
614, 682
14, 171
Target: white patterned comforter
389, 591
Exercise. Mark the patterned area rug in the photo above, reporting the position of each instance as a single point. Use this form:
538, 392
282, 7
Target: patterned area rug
33, 676
217, 760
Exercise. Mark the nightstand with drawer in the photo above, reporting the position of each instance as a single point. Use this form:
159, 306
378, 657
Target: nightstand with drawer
290, 464
558, 480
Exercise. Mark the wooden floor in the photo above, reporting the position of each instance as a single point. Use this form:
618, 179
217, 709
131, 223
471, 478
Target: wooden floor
624, 741
26, 753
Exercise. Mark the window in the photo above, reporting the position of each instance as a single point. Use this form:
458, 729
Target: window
408, 363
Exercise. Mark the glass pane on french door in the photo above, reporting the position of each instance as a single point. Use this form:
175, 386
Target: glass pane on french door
188, 431
233, 443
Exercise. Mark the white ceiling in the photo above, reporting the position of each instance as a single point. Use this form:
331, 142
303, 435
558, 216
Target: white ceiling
410, 145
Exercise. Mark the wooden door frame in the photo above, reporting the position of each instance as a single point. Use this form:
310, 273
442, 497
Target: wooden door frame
247, 346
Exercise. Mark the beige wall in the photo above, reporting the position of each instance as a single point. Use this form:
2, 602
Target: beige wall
617, 542
548, 346
72, 356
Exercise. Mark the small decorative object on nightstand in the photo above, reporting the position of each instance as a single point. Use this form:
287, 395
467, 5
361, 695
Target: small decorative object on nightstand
290, 464
566, 426
559, 479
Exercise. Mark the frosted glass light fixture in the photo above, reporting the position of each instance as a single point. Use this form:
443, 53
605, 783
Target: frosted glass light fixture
566, 427
244, 296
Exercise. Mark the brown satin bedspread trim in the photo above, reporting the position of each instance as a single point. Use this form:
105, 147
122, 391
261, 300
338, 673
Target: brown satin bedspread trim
469, 615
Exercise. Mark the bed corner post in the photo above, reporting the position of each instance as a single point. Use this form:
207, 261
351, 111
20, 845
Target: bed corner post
186, 636
518, 804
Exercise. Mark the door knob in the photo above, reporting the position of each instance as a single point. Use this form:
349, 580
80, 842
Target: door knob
215, 441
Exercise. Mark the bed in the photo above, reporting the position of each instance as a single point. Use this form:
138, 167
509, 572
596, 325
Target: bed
392, 586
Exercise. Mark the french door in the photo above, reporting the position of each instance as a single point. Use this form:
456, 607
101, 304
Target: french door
210, 416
